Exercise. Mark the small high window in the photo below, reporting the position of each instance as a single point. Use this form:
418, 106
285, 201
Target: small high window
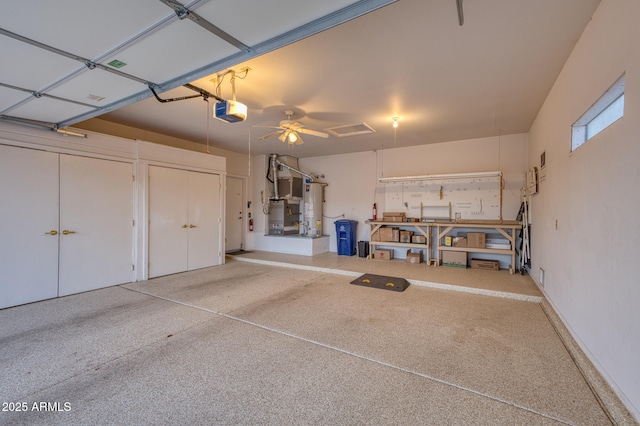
608, 109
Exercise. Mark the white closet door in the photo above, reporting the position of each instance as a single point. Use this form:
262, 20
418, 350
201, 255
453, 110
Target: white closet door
204, 224
28, 220
233, 214
96, 223
168, 221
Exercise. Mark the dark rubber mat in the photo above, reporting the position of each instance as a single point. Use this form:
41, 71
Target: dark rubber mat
237, 252
381, 281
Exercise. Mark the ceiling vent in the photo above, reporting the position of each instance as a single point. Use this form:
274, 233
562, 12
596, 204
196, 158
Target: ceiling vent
350, 130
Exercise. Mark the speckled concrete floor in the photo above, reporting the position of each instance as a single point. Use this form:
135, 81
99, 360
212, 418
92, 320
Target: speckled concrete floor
251, 343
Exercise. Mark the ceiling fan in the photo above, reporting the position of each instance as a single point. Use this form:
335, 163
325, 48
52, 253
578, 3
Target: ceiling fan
290, 131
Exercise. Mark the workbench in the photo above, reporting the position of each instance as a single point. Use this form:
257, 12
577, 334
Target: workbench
506, 228
421, 228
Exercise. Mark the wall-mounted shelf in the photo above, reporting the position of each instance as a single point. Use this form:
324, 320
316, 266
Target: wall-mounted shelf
426, 178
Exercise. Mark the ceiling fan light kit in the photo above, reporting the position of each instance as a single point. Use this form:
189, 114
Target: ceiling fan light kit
289, 131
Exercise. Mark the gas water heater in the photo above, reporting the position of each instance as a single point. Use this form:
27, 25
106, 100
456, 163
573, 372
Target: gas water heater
313, 199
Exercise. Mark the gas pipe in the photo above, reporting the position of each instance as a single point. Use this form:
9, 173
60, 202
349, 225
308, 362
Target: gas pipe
375, 212
251, 225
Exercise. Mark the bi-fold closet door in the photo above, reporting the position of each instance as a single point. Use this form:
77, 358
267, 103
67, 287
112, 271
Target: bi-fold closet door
65, 224
184, 220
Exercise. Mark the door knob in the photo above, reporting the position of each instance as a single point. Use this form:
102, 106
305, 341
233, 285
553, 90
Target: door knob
52, 232
67, 232
185, 226
192, 226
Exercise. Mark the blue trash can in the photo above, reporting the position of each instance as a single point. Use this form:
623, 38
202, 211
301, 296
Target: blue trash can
346, 236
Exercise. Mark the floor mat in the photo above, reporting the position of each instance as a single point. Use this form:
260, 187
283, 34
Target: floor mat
236, 252
381, 281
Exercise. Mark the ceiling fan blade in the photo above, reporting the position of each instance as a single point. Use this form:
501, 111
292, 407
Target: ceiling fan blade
313, 133
269, 127
268, 135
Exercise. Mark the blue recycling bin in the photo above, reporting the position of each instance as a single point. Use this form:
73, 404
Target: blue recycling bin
346, 236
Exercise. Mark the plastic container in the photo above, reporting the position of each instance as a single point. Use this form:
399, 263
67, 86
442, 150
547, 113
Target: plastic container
363, 248
346, 236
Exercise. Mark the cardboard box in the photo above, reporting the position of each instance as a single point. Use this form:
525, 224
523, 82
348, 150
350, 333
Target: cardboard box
383, 254
491, 265
375, 236
405, 236
388, 234
496, 239
476, 239
456, 259
394, 217
419, 239
459, 242
498, 246
414, 257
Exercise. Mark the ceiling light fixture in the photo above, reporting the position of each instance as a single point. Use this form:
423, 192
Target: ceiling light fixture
395, 122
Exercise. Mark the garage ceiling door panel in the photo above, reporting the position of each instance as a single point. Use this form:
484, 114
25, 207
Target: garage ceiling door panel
178, 49
97, 87
256, 22
31, 68
102, 24
10, 97
49, 110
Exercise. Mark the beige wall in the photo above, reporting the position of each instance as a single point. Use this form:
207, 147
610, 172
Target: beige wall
590, 258
237, 164
353, 185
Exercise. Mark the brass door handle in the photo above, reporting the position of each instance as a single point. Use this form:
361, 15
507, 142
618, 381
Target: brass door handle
52, 232
67, 232
192, 226
185, 226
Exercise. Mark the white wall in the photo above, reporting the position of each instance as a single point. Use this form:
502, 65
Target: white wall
353, 185
591, 259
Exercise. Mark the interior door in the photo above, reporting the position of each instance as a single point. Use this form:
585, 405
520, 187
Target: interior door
204, 220
168, 221
96, 223
234, 217
28, 225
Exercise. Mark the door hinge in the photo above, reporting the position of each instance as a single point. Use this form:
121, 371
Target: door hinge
133, 178
133, 267
133, 222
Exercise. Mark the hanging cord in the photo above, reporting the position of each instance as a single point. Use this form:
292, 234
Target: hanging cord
375, 187
207, 112
395, 134
249, 166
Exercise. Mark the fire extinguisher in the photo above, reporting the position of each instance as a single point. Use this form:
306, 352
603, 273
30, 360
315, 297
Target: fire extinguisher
375, 212
250, 225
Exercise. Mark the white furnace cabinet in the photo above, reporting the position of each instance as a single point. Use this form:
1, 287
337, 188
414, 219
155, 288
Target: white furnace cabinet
184, 220
66, 224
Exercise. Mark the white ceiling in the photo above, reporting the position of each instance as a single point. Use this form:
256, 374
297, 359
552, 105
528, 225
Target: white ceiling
410, 59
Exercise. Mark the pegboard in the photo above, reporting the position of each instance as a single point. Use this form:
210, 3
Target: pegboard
433, 198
